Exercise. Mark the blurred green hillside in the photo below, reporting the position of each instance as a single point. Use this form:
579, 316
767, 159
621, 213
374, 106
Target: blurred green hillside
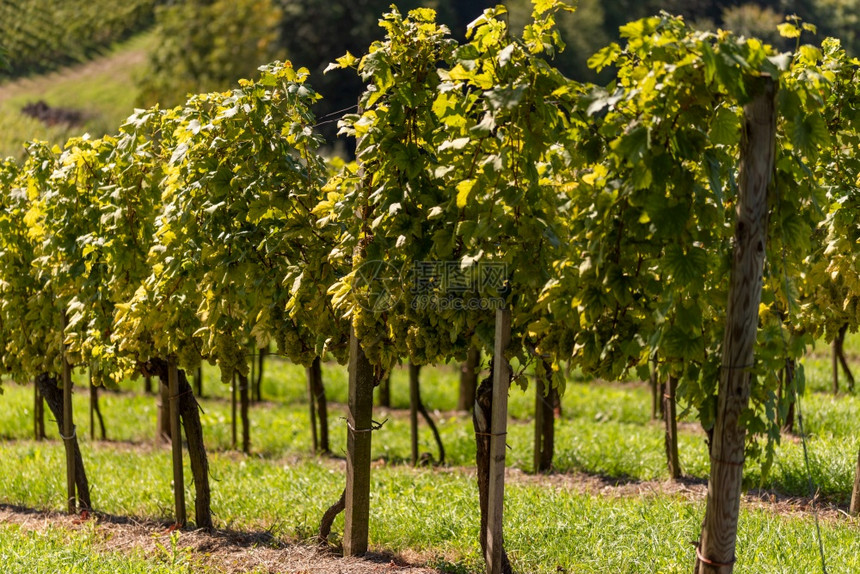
202, 45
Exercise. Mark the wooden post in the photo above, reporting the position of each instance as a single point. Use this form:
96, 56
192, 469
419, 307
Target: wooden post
93, 400
539, 413
38, 413
321, 404
656, 404
854, 509
359, 425
498, 430
312, 402
715, 553
673, 462
176, 441
834, 363
233, 413
244, 405
414, 398
69, 436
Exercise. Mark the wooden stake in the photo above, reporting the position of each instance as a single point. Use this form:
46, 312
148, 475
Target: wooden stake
539, 412
854, 509
498, 430
92, 410
69, 436
312, 402
176, 442
715, 553
673, 462
359, 425
834, 364
414, 398
38, 413
244, 405
233, 412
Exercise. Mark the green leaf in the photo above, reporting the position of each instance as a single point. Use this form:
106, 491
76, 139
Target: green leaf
725, 127
506, 98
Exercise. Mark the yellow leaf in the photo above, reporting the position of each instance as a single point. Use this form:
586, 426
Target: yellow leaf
464, 188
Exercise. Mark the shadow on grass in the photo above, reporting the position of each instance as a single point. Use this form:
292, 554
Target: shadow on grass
128, 531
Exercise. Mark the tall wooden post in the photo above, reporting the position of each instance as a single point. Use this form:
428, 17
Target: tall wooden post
359, 429
715, 553
69, 436
498, 431
176, 442
414, 399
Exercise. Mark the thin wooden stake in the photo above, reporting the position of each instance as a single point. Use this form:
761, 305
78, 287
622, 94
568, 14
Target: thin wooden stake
244, 404
673, 462
539, 410
176, 442
359, 430
38, 413
414, 399
498, 431
233, 413
92, 410
854, 508
312, 402
834, 364
69, 436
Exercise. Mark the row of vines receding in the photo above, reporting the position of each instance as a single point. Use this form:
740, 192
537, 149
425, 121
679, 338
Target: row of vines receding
694, 222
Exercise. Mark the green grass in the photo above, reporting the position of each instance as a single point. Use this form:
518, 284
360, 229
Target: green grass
65, 551
606, 431
435, 513
103, 90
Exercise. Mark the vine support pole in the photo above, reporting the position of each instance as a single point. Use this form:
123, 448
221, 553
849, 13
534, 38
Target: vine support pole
233, 433
498, 432
834, 364
176, 442
312, 403
69, 436
414, 399
715, 553
854, 509
359, 429
38, 413
670, 417
539, 414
